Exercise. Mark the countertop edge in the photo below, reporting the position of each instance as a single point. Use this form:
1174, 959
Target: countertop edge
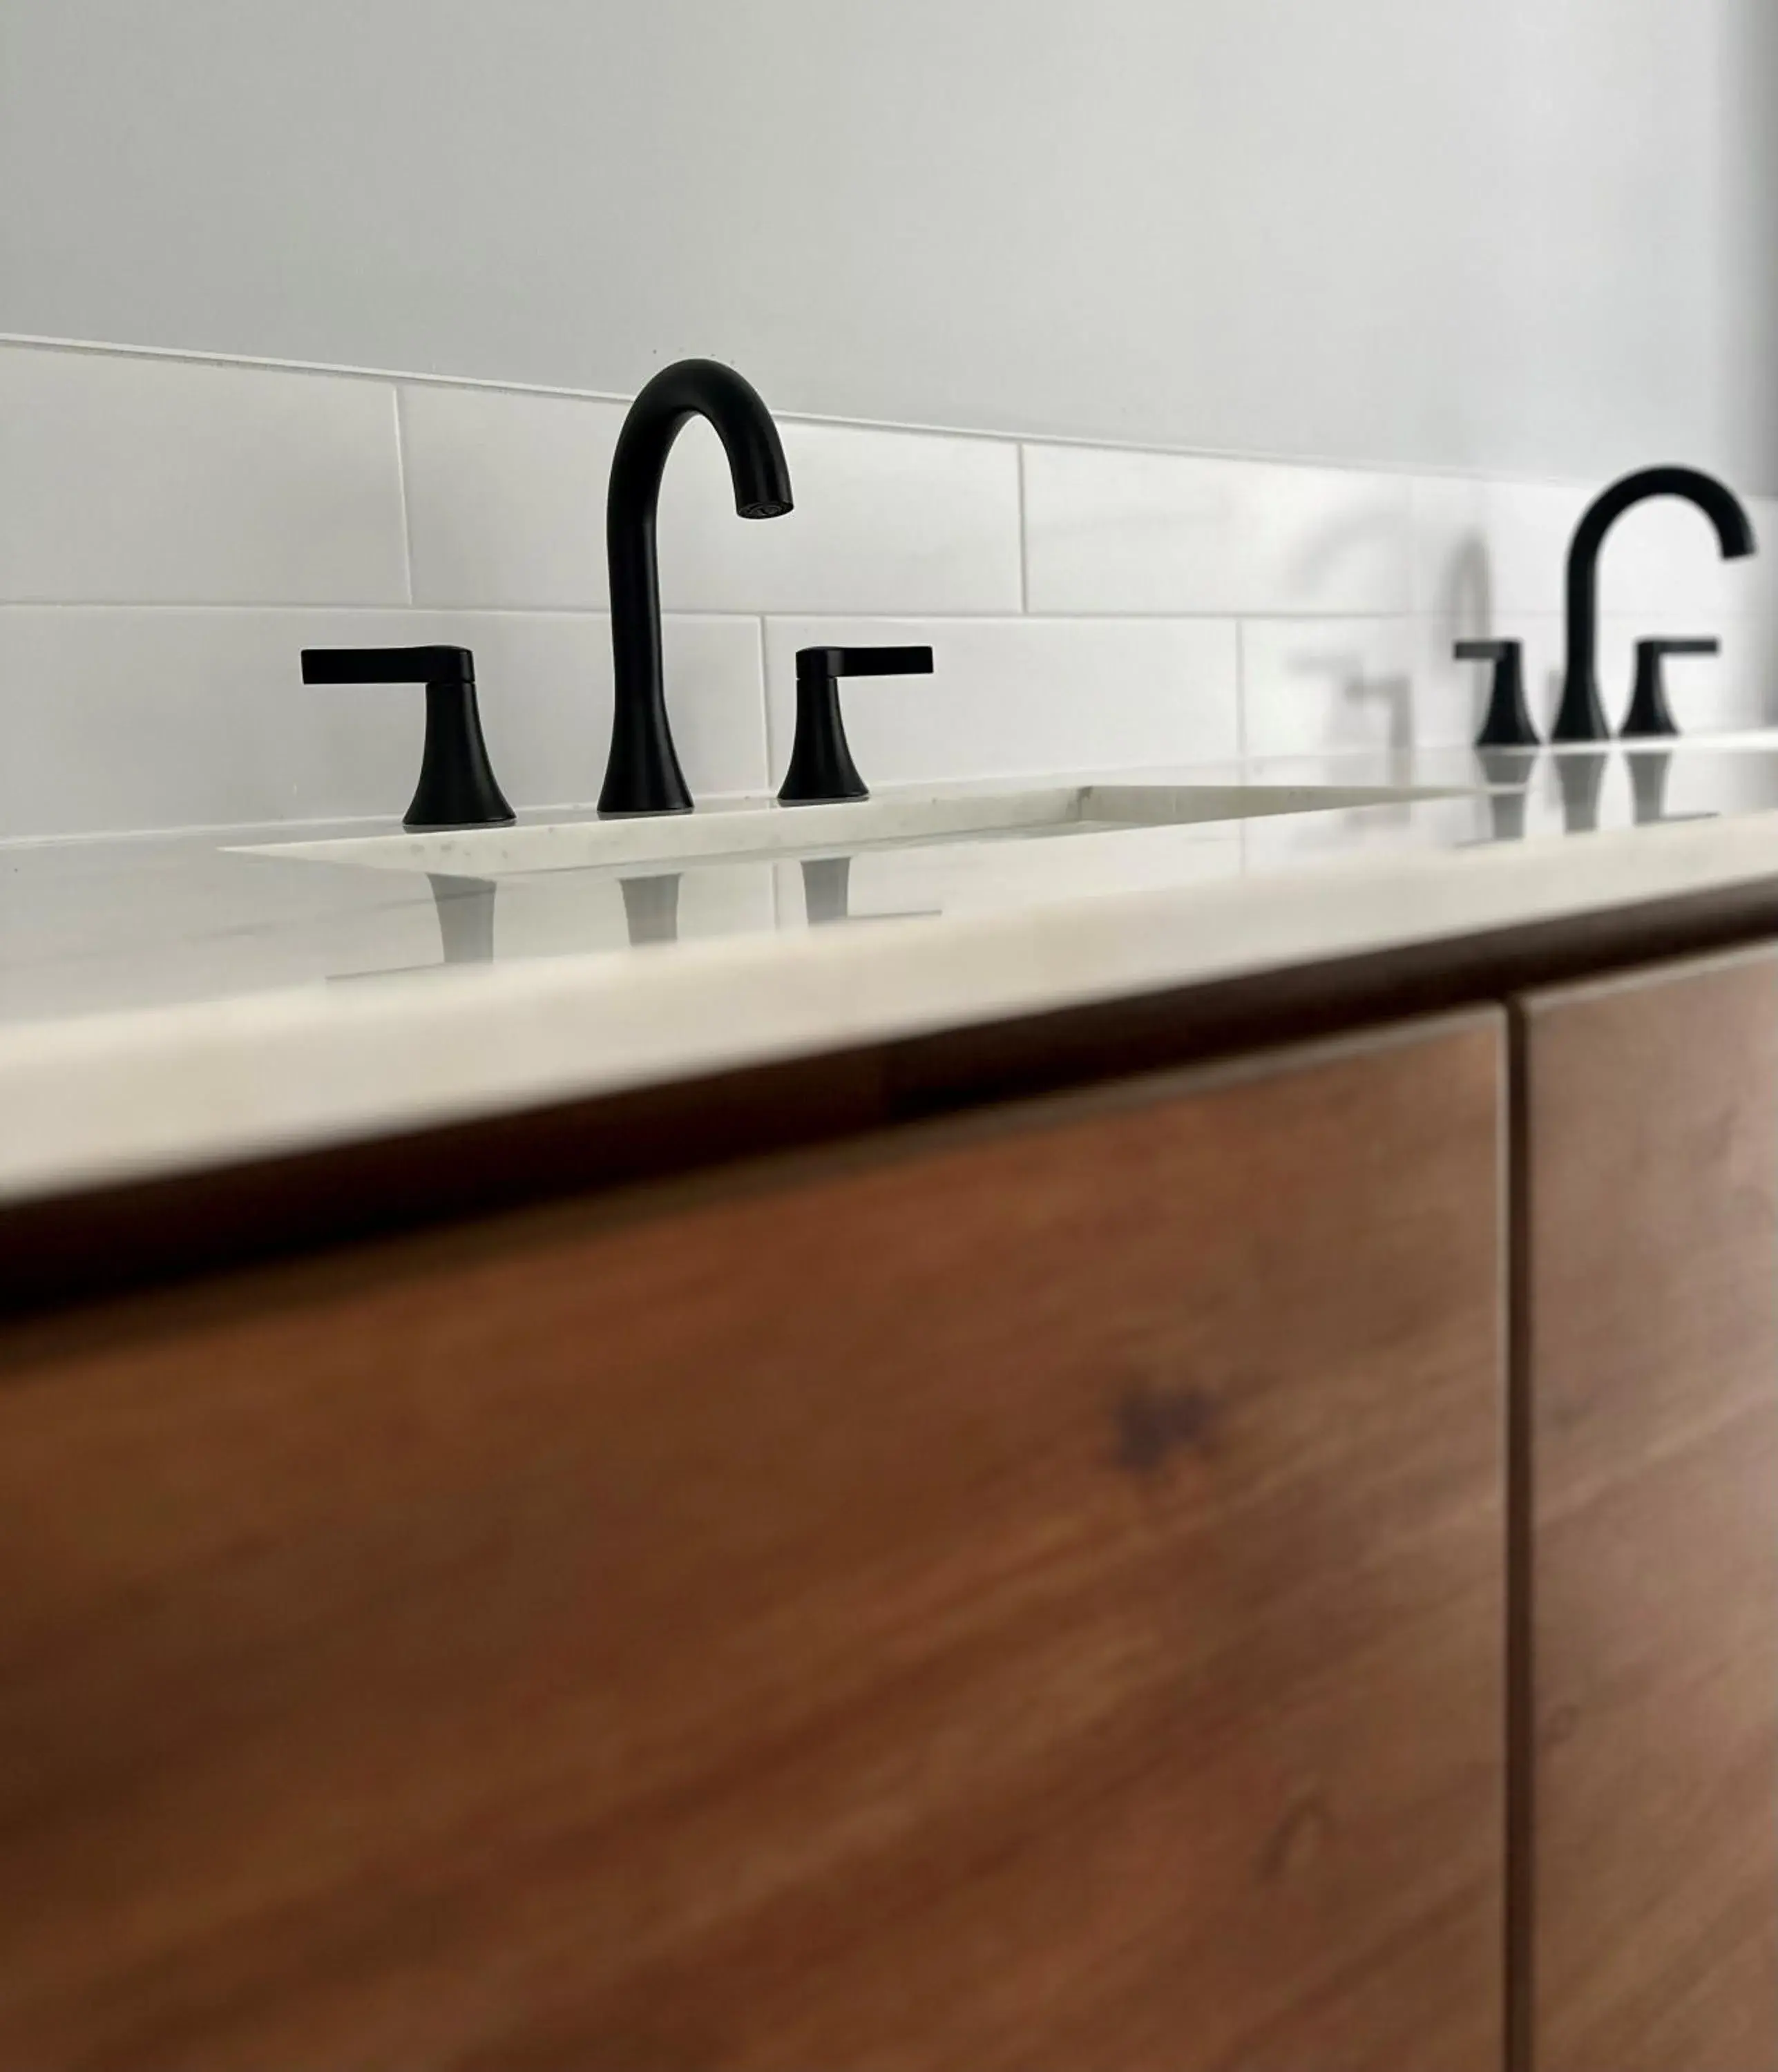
115, 1099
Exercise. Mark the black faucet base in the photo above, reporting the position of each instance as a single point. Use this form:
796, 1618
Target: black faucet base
821, 770
1652, 723
1650, 716
1581, 716
636, 797
457, 787
1508, 723
642, 775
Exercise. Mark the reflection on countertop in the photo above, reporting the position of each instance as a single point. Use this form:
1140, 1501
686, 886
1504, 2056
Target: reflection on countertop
168, 1003
96, 927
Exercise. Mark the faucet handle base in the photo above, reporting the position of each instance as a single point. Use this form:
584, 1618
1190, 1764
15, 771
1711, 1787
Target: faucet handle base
1508, 724
1581, 715
1650, 716
457, 787
821, 770
642, 775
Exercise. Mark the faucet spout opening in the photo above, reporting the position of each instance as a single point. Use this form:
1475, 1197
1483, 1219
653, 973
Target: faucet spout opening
1738, 543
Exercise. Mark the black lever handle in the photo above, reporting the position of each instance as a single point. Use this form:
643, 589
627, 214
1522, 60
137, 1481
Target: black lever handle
457, 787
387, 665
1650, 716
1508, 723
863, 662
821, 770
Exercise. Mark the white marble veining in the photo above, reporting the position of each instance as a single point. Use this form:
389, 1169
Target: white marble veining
172, 1003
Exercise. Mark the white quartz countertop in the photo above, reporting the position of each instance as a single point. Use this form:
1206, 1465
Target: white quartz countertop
167, 1003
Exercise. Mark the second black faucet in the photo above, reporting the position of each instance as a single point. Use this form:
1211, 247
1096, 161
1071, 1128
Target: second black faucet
1581, 716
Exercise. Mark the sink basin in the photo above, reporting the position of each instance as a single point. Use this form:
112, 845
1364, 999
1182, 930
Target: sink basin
737, 833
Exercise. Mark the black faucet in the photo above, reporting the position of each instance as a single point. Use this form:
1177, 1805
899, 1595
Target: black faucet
643, 774
1581, 717
457, 787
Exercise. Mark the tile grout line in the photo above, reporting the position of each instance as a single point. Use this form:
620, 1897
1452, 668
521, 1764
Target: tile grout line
1552, 617
765, 703
1024, 538
777, 897
400, 483
1405, 470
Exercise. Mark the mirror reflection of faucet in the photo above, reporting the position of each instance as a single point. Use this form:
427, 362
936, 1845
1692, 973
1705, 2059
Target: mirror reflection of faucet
651, 908
827, 889
1506, 774
1648, 779
1651, 716
827, 895
1582, 779
1506, 809
465, 911
465, 916
1648, 776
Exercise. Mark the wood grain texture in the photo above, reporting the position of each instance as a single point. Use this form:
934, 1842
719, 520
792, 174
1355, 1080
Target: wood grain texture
1017, 1596
1650, 1113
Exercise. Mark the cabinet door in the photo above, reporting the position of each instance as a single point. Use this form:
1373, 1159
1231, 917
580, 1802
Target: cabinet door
1028, 1594
1651, 1414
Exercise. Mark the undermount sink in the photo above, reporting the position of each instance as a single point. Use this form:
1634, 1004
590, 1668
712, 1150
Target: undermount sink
732, 834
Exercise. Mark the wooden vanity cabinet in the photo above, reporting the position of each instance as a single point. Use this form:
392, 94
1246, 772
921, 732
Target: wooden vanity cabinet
1026, 1593
1648, 1410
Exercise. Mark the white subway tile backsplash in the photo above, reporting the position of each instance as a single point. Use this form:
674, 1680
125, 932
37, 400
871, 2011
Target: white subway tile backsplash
1324, 687
546, 679
1481, 548
121, 719
885, 522
172, 531
1020, 697
507, 499
1486, 548
1121, 531
127, 480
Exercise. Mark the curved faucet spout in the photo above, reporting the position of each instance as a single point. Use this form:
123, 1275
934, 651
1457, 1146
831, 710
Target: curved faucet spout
643, 774
1582, 717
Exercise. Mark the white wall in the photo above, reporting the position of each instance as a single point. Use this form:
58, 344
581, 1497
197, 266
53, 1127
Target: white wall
1532, 236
